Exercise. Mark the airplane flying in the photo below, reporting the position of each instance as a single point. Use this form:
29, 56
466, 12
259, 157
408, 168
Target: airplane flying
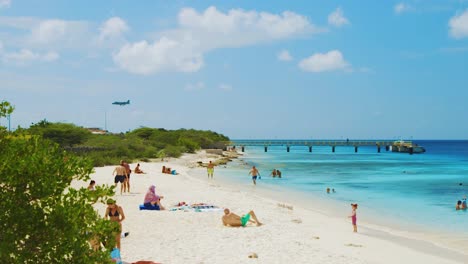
121, 103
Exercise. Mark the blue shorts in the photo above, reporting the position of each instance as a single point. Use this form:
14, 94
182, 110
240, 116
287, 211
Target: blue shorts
254, 177
119, 178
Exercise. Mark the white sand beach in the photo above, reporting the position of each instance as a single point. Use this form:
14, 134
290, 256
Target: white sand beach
290, 234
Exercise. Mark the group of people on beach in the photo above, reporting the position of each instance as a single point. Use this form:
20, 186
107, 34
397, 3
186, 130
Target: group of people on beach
461, 204
152, 200
122, 174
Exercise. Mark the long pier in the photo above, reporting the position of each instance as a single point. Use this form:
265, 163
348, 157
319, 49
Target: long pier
312, 143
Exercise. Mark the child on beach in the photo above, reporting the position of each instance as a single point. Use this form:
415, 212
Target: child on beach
353, 217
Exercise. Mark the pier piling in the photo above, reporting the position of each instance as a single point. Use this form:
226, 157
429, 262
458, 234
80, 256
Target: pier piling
310, 148
266, 149
378, 148
333, 149
287, 148
243, 149
355, 149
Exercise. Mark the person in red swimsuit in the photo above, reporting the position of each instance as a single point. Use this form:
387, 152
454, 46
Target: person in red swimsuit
353, 217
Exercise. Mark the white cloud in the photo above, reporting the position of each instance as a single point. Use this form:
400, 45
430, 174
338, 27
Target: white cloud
337, 18
225, 87
5, 3
62, 32
163, 55
401, 8
114, 27
284, 56
25, 56
194, 87
182, 49
459, 25
321, 62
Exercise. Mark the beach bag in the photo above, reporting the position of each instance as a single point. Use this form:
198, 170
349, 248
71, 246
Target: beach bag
115, 255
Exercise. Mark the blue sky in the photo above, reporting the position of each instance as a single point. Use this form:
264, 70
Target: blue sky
247, 69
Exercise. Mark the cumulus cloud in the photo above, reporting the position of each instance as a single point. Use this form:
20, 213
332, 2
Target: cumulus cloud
321, 62
114, 27
182, 49
25, 56
225, 87
337, 18
194, 86
284, 56
5, 3
162, 55
401, 8
459, 25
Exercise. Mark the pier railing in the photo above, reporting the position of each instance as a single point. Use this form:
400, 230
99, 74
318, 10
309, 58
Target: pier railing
311, 143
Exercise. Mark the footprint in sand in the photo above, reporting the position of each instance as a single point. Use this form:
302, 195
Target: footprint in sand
297, 221
316, 237
353, 245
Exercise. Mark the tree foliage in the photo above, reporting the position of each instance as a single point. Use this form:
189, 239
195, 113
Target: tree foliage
43, 219
66, 135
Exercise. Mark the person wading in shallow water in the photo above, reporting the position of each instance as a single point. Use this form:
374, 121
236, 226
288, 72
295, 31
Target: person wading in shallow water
210, 169
254, 172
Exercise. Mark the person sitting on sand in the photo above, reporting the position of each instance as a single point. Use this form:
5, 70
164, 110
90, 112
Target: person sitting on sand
152, 199
138, 170
231, 219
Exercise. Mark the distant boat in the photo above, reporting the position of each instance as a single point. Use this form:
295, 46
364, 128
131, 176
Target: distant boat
407, 147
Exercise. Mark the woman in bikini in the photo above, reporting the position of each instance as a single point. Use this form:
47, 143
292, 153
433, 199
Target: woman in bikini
115, 214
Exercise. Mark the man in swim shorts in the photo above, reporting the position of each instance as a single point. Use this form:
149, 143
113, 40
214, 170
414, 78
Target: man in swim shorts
231, 219
254, 172
120, 176
210, 169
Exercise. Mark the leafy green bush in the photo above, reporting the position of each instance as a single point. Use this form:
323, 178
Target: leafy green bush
43, 219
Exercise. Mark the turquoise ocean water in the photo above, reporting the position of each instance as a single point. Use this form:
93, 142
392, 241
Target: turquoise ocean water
419, 190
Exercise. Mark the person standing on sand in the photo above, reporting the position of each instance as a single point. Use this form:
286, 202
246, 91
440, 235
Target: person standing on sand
231, 219
353, 217
115, 214
210, 169
254, 172
129, 171
120, 176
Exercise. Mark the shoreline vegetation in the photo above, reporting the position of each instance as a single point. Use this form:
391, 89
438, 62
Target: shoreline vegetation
143, 144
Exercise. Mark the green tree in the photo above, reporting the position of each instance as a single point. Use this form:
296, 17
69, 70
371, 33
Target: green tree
43, 219
66, 135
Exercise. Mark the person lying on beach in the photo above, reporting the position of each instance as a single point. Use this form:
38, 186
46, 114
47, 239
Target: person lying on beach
138, 170
152, 199
231, 219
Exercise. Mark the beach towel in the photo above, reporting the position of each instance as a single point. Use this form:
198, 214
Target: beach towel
150, 207
199, 207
